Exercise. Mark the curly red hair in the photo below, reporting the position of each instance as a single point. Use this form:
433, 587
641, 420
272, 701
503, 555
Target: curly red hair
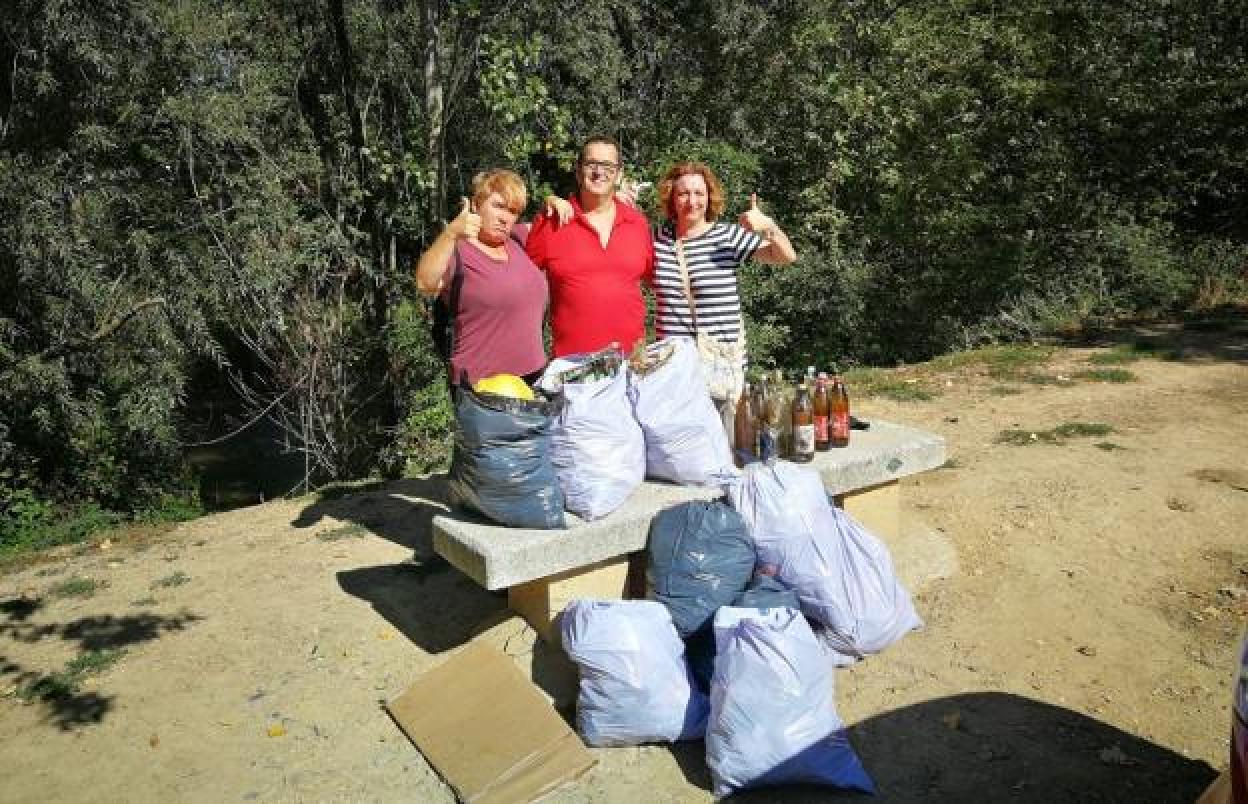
714, 190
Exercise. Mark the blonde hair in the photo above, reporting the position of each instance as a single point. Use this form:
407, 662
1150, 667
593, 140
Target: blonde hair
714, 190
506, 183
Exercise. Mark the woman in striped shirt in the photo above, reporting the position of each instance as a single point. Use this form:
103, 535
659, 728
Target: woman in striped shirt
692, 199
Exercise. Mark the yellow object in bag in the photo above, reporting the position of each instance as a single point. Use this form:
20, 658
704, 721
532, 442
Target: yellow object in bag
504, 385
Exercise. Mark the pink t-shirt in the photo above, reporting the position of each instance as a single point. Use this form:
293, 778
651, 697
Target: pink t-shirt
501, 306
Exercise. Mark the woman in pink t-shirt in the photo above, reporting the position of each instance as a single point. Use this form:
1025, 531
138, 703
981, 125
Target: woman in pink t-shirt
502, 295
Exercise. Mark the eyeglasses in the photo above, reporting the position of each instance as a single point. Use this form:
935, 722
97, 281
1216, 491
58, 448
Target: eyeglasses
608, 168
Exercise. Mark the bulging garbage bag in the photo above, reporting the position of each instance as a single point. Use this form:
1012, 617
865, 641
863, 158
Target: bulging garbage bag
635, 685
701, 558
685, 438
773, 716
763, 593
502, 465
842, 574
598, 448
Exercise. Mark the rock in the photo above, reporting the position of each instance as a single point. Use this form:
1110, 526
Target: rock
1179, 504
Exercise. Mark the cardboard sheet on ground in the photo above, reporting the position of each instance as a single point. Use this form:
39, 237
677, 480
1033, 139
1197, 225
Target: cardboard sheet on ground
488, 731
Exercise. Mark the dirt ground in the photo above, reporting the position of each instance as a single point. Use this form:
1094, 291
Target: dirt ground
1082, 603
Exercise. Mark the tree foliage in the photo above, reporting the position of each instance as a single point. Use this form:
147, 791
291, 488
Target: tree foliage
210, 202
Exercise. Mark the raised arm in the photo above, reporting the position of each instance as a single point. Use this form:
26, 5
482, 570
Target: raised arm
776, 248
431, 268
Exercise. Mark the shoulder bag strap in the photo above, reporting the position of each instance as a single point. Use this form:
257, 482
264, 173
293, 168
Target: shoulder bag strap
684, 278
693, 308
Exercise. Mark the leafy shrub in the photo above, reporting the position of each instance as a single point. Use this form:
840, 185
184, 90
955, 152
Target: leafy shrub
429, 430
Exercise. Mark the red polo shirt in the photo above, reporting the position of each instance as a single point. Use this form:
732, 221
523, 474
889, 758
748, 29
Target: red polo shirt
595, 292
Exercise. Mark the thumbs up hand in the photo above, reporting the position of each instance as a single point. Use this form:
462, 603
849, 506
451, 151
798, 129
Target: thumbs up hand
467, 223
754, 219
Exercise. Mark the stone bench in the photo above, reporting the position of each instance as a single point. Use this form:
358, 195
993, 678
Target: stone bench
545, 569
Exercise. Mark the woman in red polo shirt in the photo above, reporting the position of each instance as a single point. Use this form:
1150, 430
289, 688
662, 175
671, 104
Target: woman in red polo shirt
502, 294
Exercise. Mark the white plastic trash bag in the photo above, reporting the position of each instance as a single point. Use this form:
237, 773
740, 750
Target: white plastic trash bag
598, 449
842, 574
773, 715
635, 685
685, 438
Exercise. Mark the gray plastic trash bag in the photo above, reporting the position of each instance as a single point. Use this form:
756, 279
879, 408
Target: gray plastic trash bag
635, 685
842, 574
765, 592
773, 715
701, 558
502, 464
685, 438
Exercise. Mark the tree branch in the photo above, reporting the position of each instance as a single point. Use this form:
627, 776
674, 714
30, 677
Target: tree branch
104, 331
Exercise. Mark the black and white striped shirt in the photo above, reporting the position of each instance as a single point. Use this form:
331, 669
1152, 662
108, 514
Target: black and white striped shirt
713, 258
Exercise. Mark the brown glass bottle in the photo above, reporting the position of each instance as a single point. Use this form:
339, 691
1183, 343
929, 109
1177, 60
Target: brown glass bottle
822, 410
764, 426
839, 420
744, 438
803, 426
781, 414
759, 416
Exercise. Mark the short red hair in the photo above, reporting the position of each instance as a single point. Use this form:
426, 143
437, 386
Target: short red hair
506, 183
714, 190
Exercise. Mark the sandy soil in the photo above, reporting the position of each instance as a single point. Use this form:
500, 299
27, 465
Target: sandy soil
1082, 606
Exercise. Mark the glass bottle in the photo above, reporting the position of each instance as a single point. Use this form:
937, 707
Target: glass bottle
822, 411
803, 426
839, 420
745, 440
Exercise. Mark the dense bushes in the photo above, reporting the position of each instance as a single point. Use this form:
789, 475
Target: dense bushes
229, 196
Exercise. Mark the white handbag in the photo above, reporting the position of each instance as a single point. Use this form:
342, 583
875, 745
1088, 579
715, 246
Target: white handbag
723, 363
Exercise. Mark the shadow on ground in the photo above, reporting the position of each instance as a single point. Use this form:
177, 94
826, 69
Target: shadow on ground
993, 746
431, 603
101, 642
1217, 334
425, 599
401, 511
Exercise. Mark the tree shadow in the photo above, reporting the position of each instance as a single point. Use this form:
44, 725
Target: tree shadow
993, 746
1219, 334
400, 511
20, 609
432, 605
65, 704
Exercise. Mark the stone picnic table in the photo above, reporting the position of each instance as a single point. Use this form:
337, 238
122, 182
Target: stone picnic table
544, 570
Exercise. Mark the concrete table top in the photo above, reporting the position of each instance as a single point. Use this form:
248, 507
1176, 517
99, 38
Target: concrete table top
498, 557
